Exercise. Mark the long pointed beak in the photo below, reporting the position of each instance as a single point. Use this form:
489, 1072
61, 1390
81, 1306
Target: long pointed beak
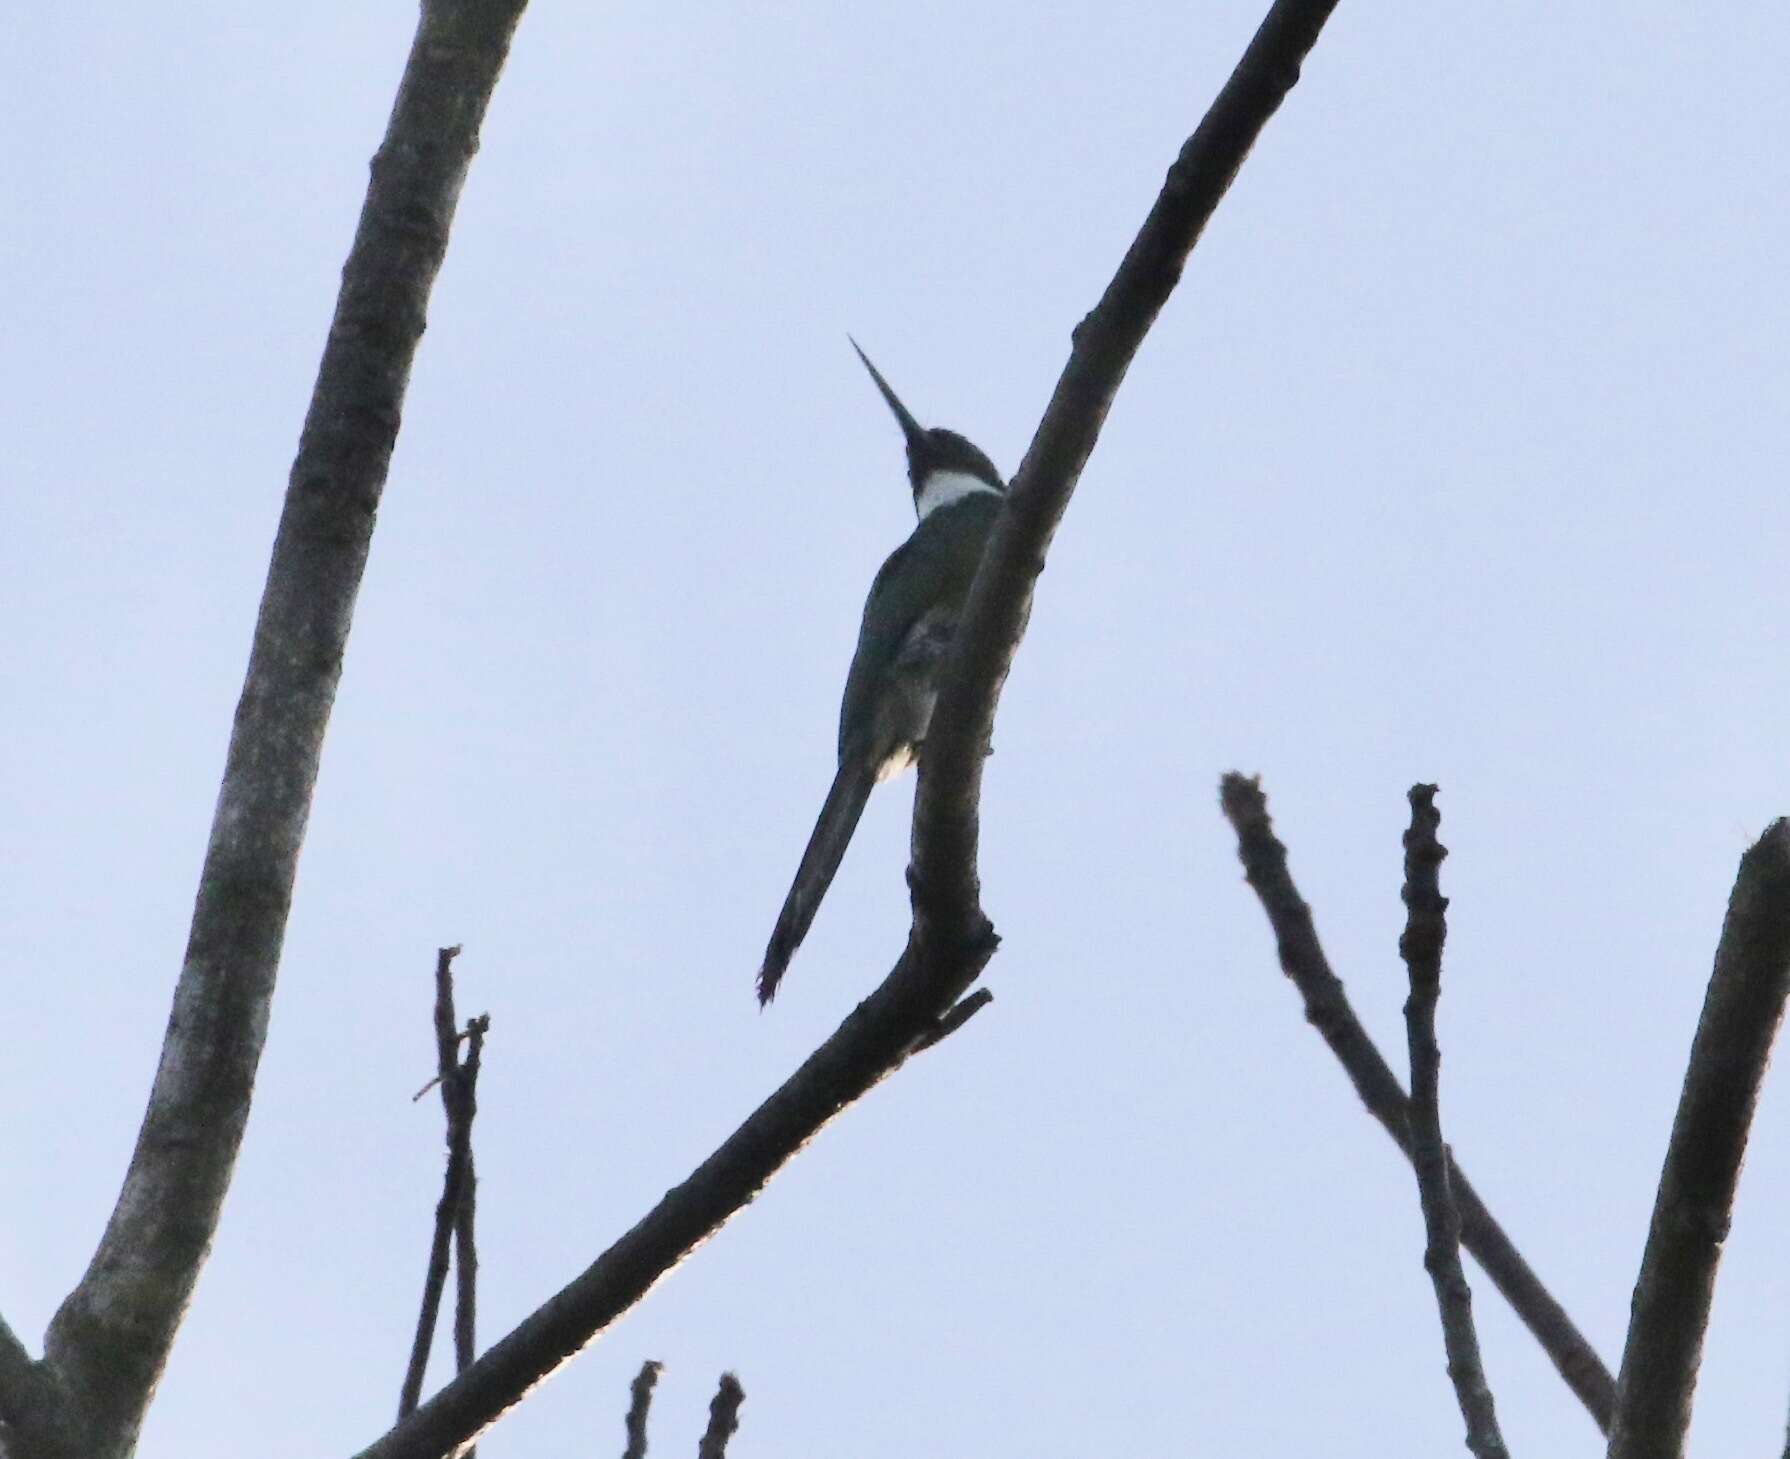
911, 428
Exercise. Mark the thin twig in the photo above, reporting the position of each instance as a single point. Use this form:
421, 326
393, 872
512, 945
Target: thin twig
466, 1253
1426, 929
1691, 1213
724, 1418
434, 1280
466, 1256
960, 1014
640, 1399
871, 1044
951, 939
1327, 1009
110, 1340
458, 1079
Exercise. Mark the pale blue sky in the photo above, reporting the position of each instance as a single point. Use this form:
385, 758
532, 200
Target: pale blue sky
1457, 456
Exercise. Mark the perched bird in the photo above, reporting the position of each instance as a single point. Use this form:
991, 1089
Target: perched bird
909, 618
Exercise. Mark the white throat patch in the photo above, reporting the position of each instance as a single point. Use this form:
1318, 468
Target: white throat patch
941, 488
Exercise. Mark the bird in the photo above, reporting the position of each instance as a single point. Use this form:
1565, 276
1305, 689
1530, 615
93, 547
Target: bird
909, 618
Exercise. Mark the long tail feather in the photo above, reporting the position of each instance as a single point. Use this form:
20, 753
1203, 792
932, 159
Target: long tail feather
826, 847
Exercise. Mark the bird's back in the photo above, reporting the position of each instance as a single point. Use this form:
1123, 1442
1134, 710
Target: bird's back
927, 577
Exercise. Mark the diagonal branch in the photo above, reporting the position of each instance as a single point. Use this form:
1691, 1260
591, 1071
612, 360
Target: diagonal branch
110, 1340
946, 828
872, 1043
951, 940
1327, 1010
1741, 1014
1426, 929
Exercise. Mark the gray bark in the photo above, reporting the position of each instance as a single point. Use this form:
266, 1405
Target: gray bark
1426, 929
1741, 1014
951, 938
108, 1344
1327, 1009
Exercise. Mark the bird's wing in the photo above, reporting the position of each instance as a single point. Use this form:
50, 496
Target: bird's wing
891, 609
932, 570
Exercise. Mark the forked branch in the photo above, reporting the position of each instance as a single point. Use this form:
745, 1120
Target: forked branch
1327, 1009
1426, 929
951, 939
458, 1079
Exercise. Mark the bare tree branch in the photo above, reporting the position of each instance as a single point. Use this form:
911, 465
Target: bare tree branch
458, 1082
640, 1399
446, 1022
953, 1019
466, 1254
951, 940
19, 1377
34, 1413
724, 1418
466, 1261
1327, 1010
1426, 929
434, 1281
944, 877
873, 1041
110, 1340
460, 1107
1741, 1014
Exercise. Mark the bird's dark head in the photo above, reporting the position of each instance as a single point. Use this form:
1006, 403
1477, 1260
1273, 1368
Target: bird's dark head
943, 450
942, 466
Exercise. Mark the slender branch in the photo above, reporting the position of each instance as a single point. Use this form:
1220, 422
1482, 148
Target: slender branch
953, 1019
724, 1418
466, 1262
459, 1101
1691, 1213
447, 1027
944, 874
458, 1082
871, 1044
110, 1340
1426, 929
466, 1256
1327, 1010
640, 1399
951, 940
434, 1281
